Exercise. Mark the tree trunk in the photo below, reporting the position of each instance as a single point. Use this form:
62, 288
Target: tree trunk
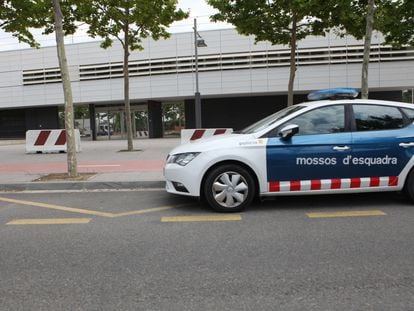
292, 60
126, 90
367, 48
67, 92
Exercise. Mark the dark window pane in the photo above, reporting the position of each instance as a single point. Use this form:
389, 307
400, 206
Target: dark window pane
409, 113
375, 118
324, 120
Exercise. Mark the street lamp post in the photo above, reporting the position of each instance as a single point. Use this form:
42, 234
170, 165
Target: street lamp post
198, 42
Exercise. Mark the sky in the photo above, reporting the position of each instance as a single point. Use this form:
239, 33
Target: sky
198, 9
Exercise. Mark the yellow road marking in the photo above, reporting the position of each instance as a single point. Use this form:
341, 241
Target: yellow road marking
55, 221
89, 212
149, 210
201, 218
57, 207
346, 214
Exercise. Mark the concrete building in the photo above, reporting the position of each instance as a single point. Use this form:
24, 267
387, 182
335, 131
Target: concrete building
240, 81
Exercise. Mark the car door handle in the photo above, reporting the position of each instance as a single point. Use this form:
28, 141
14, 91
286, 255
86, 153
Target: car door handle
406, 145
341, 148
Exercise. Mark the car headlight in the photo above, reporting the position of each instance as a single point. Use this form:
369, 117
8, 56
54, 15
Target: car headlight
182, 158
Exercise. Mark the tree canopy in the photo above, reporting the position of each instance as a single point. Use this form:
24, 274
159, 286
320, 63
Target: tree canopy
20, 17
277, 21
139, 19
397, 23
129, 21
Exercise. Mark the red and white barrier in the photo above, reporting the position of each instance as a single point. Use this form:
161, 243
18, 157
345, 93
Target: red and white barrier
142, 133
49, 141
195, 134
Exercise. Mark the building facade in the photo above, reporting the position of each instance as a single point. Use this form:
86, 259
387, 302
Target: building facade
240, 81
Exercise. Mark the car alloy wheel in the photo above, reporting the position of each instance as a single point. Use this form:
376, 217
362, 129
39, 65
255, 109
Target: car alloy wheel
229, 188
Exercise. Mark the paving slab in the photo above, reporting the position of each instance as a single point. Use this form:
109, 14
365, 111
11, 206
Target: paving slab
114, 167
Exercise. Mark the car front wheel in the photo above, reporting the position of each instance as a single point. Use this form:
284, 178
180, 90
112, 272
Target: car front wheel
229, 188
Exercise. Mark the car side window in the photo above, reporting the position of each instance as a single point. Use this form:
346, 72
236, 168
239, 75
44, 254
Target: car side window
377, 118
409, 113
323, 120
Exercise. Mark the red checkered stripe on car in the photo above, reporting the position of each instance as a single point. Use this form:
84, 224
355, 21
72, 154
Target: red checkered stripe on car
329, 184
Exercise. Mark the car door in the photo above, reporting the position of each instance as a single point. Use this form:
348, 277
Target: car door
313, 158
382, 145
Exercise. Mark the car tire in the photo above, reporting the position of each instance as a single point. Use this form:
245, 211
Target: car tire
229, 188
409, 186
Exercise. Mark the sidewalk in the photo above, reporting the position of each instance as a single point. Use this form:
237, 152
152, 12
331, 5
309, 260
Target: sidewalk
113, 168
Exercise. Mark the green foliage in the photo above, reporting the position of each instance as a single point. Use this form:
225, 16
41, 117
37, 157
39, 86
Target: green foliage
141, 120
174, 112
138, 19
81, 112
397, 23
277, 21
349, 17
407, 96
272, 20
18, 17
394, 18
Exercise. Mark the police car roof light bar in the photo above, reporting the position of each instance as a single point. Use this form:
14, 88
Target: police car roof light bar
335, 93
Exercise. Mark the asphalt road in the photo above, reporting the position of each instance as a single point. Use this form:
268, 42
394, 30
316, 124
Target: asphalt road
135, 251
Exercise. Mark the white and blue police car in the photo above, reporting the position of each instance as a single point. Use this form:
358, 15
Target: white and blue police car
333, 144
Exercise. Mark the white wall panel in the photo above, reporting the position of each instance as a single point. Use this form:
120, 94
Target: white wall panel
140, 88
10, 79
387, 75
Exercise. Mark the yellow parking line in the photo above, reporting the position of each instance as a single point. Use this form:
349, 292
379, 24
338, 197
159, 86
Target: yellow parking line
144, 211
90, 212
346, 214
55, 221
201, 218
57, 207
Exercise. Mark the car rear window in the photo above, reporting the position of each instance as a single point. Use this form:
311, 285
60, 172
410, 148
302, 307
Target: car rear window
409, 113
376, 118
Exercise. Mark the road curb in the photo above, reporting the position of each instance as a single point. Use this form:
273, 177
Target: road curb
82, 186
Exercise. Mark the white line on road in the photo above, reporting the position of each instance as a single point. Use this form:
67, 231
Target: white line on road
100, 165
82, 191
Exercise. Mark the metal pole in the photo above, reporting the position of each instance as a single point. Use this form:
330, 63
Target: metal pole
197, 97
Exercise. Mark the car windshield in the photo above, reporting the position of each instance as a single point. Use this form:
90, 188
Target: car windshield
266, 122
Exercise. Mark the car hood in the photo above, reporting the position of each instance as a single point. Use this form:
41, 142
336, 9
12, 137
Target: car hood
214, 143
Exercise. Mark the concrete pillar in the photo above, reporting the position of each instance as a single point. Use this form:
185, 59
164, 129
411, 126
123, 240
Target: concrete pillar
134, 125
155, 119
122, 121
92, 120
189, 113
109, 126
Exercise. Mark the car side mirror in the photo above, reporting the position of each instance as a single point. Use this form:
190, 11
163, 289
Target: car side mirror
288, 131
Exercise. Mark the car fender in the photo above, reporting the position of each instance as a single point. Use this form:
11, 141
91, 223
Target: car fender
250, 153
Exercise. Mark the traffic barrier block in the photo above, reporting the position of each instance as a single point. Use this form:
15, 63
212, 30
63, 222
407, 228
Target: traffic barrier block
189, 135
49, 141
142, 133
